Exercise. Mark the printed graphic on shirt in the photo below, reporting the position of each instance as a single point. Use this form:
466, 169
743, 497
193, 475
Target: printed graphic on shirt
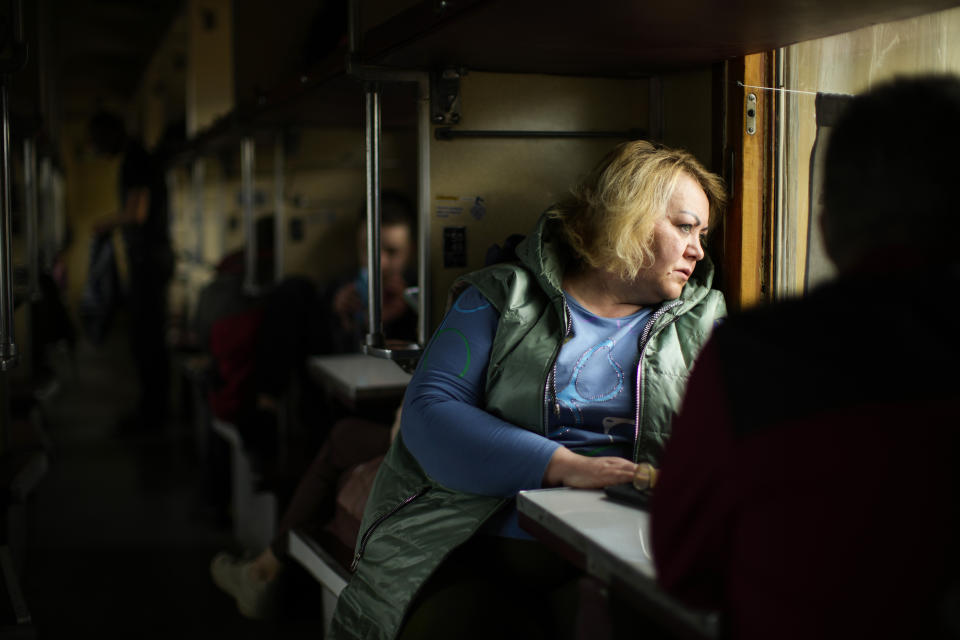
450, 349
456, 348
593, 384
596, 378
474, 305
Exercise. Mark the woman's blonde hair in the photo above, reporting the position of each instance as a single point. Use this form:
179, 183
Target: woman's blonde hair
608, 219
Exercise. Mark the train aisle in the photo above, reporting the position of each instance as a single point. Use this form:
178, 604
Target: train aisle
120, 539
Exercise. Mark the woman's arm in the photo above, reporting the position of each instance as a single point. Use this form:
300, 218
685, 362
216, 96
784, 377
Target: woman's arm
456, 441
462, 446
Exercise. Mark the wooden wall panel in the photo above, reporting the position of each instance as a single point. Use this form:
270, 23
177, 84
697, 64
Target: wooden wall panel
745, 260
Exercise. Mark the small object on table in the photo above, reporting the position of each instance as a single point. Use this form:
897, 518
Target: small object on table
627, 493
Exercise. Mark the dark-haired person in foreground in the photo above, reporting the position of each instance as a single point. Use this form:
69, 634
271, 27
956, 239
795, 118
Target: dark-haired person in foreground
810, 489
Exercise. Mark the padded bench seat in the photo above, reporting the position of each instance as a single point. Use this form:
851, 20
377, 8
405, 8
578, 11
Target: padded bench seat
254, 512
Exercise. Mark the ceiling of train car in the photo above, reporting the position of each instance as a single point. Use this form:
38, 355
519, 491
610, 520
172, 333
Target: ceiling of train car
101, 47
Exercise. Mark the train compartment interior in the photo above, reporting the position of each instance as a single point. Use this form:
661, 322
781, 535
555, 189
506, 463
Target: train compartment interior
295, 118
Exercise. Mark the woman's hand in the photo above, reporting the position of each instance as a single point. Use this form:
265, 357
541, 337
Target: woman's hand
570, 469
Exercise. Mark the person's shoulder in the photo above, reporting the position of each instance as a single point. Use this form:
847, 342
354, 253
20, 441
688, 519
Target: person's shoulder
786, 335
701, 307
471, 297
766, 321
704, 297
500, 270
498, 283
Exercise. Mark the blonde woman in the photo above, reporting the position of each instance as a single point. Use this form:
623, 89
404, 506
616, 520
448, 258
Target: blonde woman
564, 367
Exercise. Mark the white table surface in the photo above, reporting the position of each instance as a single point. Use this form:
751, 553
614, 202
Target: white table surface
614, 539
318, 562
357, 376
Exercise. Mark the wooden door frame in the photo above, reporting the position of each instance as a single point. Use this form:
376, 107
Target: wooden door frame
744, 241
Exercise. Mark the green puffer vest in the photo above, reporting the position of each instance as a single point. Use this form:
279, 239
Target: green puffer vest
412, 523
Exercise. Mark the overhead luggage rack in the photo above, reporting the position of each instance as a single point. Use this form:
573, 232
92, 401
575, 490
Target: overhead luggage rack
611, 37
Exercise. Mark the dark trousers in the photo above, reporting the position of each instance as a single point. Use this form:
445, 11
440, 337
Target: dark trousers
493, 587
147, 303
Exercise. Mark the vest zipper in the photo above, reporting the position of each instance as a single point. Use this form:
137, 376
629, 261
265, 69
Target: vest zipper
645, 338
552, 374
376, 523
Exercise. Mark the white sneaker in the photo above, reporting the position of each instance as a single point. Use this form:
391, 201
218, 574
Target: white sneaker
256, 599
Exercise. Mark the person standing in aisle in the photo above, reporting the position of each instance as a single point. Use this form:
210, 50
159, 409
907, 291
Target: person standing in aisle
142, 219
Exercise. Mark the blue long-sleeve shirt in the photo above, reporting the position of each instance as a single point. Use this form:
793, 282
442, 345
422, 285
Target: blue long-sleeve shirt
465, 448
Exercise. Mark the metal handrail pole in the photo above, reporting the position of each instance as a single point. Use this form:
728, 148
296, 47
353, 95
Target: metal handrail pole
47, 216
279, 213
373, 169
247, 159
198, 177
31, 212
8, 346
423, 208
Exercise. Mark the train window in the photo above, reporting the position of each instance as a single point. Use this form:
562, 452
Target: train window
847, 63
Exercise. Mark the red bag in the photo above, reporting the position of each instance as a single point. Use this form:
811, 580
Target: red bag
232, 342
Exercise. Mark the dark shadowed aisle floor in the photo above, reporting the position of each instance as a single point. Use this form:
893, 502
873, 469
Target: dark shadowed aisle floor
120, 534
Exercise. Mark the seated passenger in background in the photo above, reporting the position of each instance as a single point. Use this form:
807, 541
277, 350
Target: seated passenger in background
532, 381
352, 449
301, 320
224, 328
347, 297
810, 489
225, 294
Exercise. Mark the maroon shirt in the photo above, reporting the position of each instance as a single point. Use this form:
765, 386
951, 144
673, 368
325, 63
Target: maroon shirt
809, 487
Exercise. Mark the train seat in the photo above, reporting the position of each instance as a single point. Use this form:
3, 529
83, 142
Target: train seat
254, 512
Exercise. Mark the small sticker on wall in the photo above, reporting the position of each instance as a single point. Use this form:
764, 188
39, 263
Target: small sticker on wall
453, 206
479, 209
454, 247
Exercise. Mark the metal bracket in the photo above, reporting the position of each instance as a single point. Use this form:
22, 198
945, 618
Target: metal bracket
445, 96
406, 356
447, 133
751, 119
9, 356
381, 75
